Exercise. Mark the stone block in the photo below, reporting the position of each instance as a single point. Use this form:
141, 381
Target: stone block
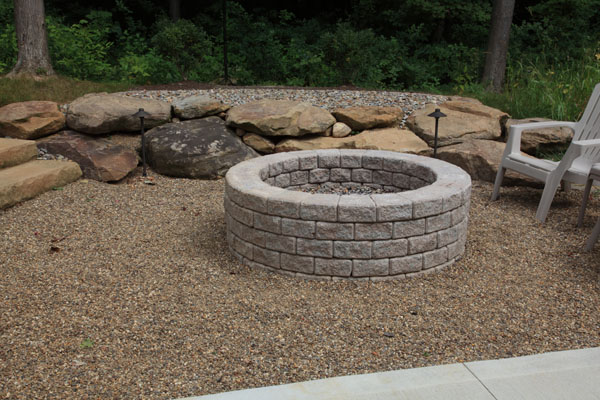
351, 160
356, 208
280, 243
392, 207
320, 207
417, 183
419, 171
335, 231
242, 247
318, 175
340, 175
405, 229
332, 266
401, 180
317, 248
373, 231
447, 236
298, 263
459, 214
265, 257
389, 248
275, 168
291, 164
298, 228
362, 175
371, 267
308, 160
382, 177
269, 223
421, 244
298, 177
426, 202
282, 180
394, 164
370, 161
407, 264
285, 203
329, 158
456, 249
241, 214
435, 257
353, 249
438, 222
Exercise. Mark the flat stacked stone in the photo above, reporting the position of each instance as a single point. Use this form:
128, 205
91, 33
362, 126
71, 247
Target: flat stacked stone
330, 236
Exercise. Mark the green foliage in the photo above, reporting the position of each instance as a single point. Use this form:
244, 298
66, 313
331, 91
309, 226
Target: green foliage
81, 50
8, 48
182, 43
539, 89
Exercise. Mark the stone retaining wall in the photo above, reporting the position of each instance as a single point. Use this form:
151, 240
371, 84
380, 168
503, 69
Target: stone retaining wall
419, 226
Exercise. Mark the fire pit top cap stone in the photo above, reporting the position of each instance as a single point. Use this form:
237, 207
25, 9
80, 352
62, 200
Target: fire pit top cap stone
445, 186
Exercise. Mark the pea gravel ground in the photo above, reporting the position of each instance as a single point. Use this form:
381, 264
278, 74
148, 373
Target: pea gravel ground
128, 291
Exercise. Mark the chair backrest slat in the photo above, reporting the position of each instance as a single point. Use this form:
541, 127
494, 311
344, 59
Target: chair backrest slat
588, 126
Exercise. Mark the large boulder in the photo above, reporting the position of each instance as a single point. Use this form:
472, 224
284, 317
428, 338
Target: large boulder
534, 139
481, 159
259, 143
280, 118
391, 139
30, 119
198, 106
99, 159
464, 120
368, 117
98, 113
198, 148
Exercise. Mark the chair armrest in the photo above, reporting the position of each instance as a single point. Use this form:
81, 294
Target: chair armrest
544, 124
586, 143
514, 133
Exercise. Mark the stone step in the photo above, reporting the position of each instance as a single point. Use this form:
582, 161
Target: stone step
16, 151
35, 177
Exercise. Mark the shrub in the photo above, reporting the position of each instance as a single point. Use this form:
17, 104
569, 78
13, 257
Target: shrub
81, 50
182, 43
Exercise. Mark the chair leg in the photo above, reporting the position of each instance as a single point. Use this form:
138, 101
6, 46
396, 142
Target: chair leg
566, 186
547, 196
586, 196
498, 182
593, 237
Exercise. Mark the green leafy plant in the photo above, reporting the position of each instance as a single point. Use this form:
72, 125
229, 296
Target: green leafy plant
183, 43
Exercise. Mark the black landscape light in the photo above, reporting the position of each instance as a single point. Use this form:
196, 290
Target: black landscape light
141, 114
437, 114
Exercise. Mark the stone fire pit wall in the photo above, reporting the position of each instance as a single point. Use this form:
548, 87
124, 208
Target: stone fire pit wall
420, 228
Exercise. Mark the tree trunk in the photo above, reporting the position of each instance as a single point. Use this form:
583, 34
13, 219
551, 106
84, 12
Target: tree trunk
32, 39
495, 58
175, 10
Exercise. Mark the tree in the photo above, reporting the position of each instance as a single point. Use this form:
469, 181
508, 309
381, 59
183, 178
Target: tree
495, 58
32, 39
175, 10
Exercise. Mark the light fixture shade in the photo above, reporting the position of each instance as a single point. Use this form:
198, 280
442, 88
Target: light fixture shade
437, 114
141, 113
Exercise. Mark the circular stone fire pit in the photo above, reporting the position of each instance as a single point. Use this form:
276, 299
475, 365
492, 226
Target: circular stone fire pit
419, 225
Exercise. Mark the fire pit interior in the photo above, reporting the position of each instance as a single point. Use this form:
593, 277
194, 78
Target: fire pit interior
347, 214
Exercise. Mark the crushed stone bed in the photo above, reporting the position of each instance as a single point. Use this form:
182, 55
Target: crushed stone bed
129, 291
330, 99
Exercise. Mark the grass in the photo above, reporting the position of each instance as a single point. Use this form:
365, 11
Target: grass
538, 88
58, 89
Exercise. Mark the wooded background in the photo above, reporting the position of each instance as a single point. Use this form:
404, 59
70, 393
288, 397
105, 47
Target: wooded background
396, 44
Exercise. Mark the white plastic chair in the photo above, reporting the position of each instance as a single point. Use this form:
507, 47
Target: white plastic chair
575, 165
594, 176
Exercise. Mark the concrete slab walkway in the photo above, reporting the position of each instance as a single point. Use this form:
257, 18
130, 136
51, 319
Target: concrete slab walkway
572, 374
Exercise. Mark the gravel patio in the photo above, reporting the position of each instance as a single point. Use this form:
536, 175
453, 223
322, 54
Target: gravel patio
128, 291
